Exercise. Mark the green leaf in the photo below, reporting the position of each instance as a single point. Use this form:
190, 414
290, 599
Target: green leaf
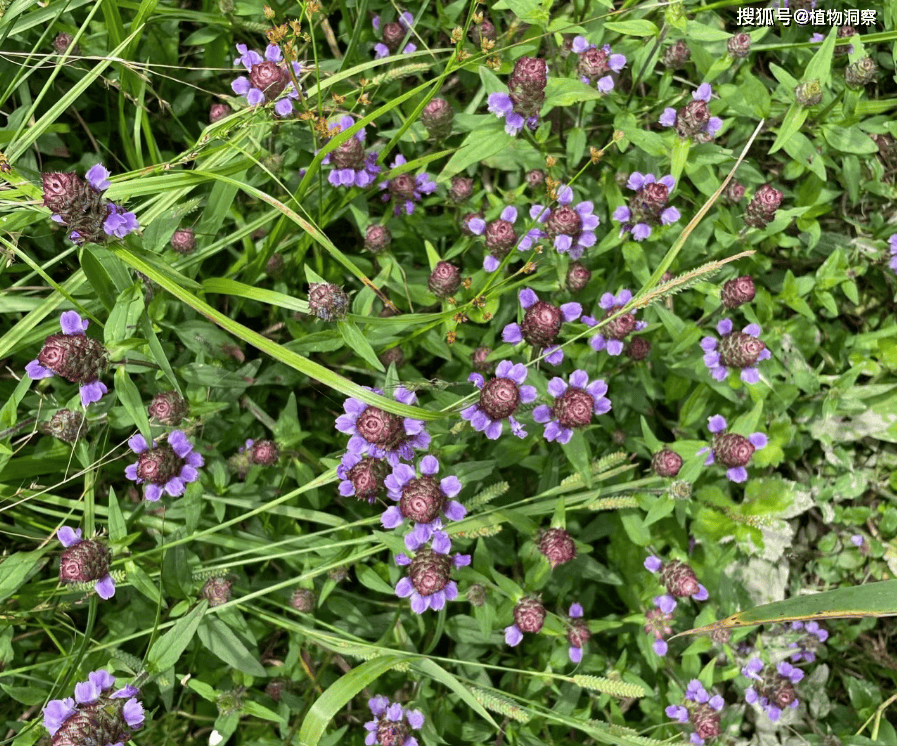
16, 568
679, 157
477, 146
791, 124
370, 579
220, 640
633, 28
359, 343
129, 396
568, 91
99, 279
142, 582
438, 673
577, 453
339, 693
124, 316
166, 651
117, 527
849, 140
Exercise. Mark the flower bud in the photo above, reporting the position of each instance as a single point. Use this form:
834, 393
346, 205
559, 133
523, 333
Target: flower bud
264, 453
555, 544
484, 30
402, 187
638, 349
578, 277
66, 425
62, 42
499, 398
240, 464
809, 93
734, 191
422, 499
527, 85
860, 73
535, 178
367, 477
393, 355
740, 350
382, 429
348, 154
732, 450
618, 437
690, 120
844, 32
593, 63
666, 463
437, 118
676, 56
61, 190
529, 615
680, 490
183, 241
476, 594
461, 189
578, 634
444, 280
783, 693
85, 561
217, 112
739, 46
269, 78
761, 210
705, 719
658, 624
541, 324
75, 357
500, 237
429, 571
338, 574
304, 600
573, 408
217, 591
328, 302
478, 360
393, 34
679, 579
377, 238
168, 408
737, 292
276, 688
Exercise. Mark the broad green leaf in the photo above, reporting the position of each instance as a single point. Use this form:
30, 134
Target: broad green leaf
129, 396
639, 27
340, 692
477, 146
357, 342
849, 140
166, 651
99, 279
568, 91
793, 121
14, 570
220, 640
679, 157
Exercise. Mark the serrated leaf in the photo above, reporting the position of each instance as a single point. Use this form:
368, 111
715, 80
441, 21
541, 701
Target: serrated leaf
166, 651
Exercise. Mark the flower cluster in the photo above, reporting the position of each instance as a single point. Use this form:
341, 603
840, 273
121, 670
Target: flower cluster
74, 356
613, 333
362, 476
94, 715
526, 94
541, 324
79, 206
351, 165
774, 691
597, 64
701, 710
404, 189
166, 467
499, 399
85, 561
761, 210
680, 581
500, 236
393, 34
571, 229
693, 120
740, 350
658, 626
268, 78
814, 638
578, 633
573, 407
429, 581
648, 207
529, 616
392, 724
733, 451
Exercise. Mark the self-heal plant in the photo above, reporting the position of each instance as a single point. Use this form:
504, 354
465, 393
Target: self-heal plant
429, 581
541, 324
73, 356
268, 79
500, 236
422, 499
658, 626
693, 120
774, 690
352, 166
84, 561
570, 229
393, 34
392, 724
648, 208
404, 189
597, 64
701, 710
362, 476
574, 405
166, 467
680, 582
814, 638
577, 633
500, 398
526, 94
730, 449
529, 616
738, 350
614, 332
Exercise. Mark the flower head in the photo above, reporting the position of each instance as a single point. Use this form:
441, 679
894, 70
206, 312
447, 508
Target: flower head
557, 546
406, 190
529, 616
648, 207
578, 633
693, 120
74, 356
382, 434
393, 34
573, 407
735, 350
526, 94
352, 166
666, 463
680, 581
596, 64
541, 324
774, 690
499, 399
168, 408
392, 724
761, 210
571, 229
732, 450
658, 625
362, 476
268, 79
85, 561
737, 292
614, 332
701, 710
429, 582
500, 236
167, 467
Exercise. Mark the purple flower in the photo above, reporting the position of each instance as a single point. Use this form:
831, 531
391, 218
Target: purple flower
774, 690
98, 177
68, 722
423, 500
741, 350
658, 626
502, 105
80, 360
573, 406
429, 583
499, 399
694, 120
405, 189
733, 451
648, 207
352, 166
168, 467
571, 229
392, 723
541, 324
393, 34
119, 223
268, 79
614, 332
577, 634
501, 237
90, 562
381, 434
596, 64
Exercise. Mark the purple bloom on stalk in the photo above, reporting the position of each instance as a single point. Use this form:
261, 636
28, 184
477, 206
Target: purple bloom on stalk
391, 724
429, 583
382, 434
694, 120
501, 237
701, 710
119, 223
741, 350
268, 79
611, 339
351, 165
168, 467
571, 229
578, 634
423, 500
406, 189
499, 399
857, 540
893, 249
597, 63
74, 356
393, 34
658, 625
502, 105
733, 451
680, 581
85, 561
647, 207
573, 406
541, 324
774, 690
98, 177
